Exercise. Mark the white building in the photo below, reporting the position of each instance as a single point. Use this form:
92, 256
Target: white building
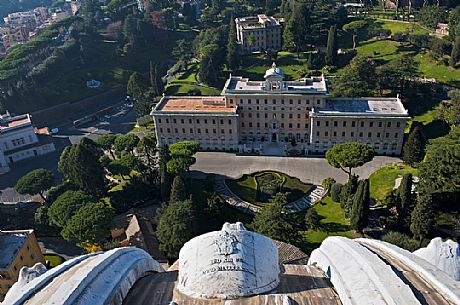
295, 116
259, 32
19, 140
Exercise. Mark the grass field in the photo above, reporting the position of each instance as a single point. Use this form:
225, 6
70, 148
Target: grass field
54, 260
186, 81
397, 26
246, 188
382, 181
333, 223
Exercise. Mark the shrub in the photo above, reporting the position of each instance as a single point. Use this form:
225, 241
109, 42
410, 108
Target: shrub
401, 240
327, 183
145, 120
336, 188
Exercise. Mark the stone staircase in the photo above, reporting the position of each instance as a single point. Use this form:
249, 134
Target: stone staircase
307, 200
299, 205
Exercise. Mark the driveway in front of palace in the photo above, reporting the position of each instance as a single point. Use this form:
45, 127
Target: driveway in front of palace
308, 169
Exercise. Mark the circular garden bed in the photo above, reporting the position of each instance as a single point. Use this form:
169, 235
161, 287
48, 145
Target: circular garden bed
259, 188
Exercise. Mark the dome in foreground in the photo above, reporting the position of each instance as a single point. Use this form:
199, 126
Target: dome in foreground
228, 264
443, 254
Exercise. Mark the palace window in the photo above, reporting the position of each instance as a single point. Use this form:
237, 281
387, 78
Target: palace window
352, 134
389, 124
353, 124
335, 123
369, 134
371, 124
327, 123
318, 123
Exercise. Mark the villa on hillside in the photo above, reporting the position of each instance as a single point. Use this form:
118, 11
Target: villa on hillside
259, 32
19, 140
295, 116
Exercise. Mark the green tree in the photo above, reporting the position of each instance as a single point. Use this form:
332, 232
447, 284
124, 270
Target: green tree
355, 28
454, 23
358, 79
336, 189
176, 226
455, 55
331, 53
137, 88
347, 194
124, 166
276, 222
210, 63
35, 182
126, 142
431, 15
312, 220
91, 224
297, 30
440, 172
156, 81
182, 156
165, 176
349, 155
360, 210
41, 216
414, 148
232, 48
404, 204
183, 51
449, 111
80, 165
107, 141
178, 191
66, 205
423, 218
147, 151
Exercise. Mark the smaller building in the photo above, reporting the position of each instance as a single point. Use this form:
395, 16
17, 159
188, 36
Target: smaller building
259, 32
442, 29
19, 140
17, 249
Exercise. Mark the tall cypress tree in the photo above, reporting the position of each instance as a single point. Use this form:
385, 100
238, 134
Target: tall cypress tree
232, 48
414, 148
165, 177
423, 217
331, 53
347, 192
455, 55
360, 210
404, 203
178, 192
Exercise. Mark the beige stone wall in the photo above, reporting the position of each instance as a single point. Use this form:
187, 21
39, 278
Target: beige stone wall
386, 135
264, 38
213, 132
286, 116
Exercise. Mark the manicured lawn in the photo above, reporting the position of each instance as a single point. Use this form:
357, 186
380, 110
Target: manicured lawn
246, 188
53, 259
184, 88
379, 49
395, 27
382, 181
333, 223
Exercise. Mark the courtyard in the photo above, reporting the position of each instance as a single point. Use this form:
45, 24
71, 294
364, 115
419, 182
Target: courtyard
308, 169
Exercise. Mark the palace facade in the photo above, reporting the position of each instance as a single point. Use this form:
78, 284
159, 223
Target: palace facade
298, 116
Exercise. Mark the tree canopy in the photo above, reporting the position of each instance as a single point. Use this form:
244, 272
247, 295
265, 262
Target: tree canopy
349, 155
358, 79
35, 182
92, 224
414, 148
66, 205
276, 222
80, 165
126, 142
176, 226
182, 156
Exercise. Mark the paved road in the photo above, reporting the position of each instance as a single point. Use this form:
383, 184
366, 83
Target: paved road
310, 170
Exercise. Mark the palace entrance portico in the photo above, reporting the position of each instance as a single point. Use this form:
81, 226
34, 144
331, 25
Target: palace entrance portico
274, 137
